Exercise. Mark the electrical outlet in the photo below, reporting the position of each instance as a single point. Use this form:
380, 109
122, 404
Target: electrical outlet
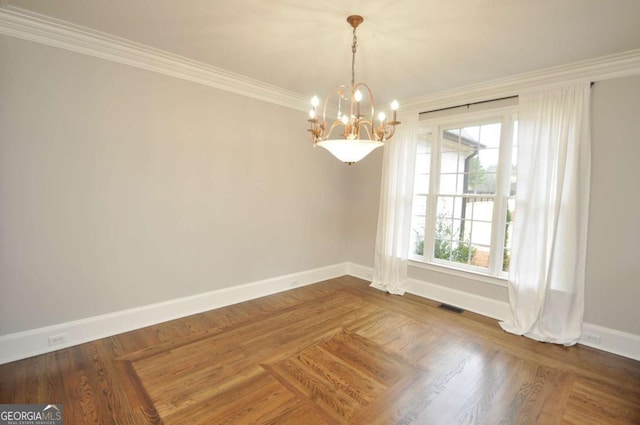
592, 338
57, 339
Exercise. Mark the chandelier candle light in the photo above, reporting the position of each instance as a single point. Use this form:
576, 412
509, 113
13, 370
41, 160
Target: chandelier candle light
352, 135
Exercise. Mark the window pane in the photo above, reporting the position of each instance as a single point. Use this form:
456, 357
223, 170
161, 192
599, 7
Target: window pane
445, 206
456, 228
449, 162
423, 163
449, 143
481, 255
424, 147
419, 210
490, 135
444, 228
481, 233
454, 131
506, 260
513, 184
483, 209
449, 184
488, 159
450, 140
470, 135
461, 252
514, 160
421, 184
508, 235
443, 231
481, 183
442, 249
419, 206
417, 235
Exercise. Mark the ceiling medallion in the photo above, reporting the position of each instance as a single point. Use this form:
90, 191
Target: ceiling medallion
353, 134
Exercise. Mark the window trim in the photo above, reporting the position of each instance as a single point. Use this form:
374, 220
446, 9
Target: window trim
506, 115
466, 274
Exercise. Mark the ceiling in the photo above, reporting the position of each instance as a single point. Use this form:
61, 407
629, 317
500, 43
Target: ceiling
407, 48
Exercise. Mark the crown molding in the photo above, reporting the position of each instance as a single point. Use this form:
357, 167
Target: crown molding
596, 69
19, 23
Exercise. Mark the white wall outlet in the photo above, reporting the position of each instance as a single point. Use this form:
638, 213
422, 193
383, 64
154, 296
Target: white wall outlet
592, 338
57, 339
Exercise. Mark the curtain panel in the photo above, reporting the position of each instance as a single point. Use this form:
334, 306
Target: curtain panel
547, 272
394, 214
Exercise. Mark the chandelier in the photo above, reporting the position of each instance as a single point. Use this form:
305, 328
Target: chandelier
353, 134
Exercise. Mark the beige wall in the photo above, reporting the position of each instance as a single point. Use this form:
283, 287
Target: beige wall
613, 255
364, 197
121, 188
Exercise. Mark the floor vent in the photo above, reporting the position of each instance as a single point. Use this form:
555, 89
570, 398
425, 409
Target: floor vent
451, 308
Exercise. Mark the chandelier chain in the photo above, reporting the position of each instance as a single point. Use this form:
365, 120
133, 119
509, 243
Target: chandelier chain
353, 57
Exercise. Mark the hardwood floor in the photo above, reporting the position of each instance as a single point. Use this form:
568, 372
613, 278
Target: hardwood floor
337, 352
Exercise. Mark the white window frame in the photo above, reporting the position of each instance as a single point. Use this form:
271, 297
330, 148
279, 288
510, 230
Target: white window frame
493, 274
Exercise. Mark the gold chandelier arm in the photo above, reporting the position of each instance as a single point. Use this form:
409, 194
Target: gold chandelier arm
372, 105
360, 135
340, 90
392, 130
367, 128
337, 123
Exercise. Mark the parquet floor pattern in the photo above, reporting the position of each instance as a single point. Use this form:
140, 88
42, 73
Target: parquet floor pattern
333, 353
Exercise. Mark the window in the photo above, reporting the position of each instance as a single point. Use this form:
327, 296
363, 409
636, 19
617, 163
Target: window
464, 192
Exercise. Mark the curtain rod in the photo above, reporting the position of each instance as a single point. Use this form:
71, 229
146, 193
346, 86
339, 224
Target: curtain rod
479, 102
468, 104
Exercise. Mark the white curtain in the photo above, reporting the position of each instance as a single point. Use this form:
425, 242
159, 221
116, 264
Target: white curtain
546, 276
394, 216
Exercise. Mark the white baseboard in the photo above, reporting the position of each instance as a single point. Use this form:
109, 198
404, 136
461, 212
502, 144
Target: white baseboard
610, 340
33, 342
29, 343
359, 271
465, 300
482, 305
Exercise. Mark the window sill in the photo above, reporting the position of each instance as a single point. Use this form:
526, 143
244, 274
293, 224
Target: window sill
479, 277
